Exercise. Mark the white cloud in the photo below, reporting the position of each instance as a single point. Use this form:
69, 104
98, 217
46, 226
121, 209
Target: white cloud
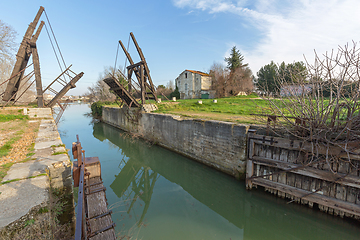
290, 29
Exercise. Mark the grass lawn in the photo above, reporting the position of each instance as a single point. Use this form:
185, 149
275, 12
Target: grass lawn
234, 109
231, 109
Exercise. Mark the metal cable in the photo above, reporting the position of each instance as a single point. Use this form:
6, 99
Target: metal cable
127, 51
53, 48
55, 39
117, 52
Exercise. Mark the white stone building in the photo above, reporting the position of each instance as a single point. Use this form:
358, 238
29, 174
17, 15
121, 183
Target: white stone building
194, 84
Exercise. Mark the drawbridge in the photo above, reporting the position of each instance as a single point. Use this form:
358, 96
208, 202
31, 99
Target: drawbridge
27, 50
126, 89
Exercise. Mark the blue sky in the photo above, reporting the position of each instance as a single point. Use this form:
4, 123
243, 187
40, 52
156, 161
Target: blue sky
184, 34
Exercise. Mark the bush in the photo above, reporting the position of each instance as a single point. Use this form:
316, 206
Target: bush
175, 93
96, 108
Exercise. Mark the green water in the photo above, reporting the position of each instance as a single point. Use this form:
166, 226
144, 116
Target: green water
157, 194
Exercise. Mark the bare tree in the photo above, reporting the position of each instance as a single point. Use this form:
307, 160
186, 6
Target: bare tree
162, 90
230, 83
7, 50
329, 125
170, 85
219, 77
100, 90
240, 80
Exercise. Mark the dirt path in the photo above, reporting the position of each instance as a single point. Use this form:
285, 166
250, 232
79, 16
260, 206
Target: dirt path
216, 116
17, 135
27, 134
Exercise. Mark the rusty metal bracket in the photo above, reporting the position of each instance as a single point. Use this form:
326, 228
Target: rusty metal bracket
103, 189
93, 184
101, 215
101, 230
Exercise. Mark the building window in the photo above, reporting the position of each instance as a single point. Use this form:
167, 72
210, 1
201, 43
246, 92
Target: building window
185, 86
185, 75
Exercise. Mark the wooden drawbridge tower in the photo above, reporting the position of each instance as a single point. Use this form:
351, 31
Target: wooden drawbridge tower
27, 50
143, 86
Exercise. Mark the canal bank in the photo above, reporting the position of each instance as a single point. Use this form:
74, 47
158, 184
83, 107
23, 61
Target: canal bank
33, 189
277, 164
221, 145
155, 193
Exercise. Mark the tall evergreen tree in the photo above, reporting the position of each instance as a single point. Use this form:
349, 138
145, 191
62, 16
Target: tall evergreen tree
270, 77
235, 60
266, 78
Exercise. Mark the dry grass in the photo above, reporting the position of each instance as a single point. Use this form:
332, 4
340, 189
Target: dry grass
17, 139
40, 223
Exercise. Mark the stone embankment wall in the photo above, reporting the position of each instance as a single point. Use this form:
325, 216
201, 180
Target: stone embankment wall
221, 145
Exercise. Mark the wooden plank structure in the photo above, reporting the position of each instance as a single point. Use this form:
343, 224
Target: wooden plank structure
93, 219
121, 92
283, 168
22, 57
141, 70
27, 49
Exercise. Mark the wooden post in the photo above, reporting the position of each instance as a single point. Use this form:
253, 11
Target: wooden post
249, 173
130, 61
142, 57
142, 84
22, 58
129, 79
35, 56
63, 91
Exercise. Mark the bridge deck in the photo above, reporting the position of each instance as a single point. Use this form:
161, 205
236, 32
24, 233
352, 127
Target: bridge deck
100, 224
121, 92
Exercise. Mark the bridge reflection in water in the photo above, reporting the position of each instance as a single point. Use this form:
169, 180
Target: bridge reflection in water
216, 202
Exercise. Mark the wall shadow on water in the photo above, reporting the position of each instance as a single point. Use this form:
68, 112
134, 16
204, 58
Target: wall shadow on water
259, 214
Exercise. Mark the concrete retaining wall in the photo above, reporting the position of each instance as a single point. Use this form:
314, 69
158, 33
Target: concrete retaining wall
221, 145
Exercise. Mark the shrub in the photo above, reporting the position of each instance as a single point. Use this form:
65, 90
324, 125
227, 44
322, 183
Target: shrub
175, 93
96, 108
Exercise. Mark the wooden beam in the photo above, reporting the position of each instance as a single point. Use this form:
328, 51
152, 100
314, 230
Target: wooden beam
347, 207
22, 58
63, 91
68, 68
135, 65
39, 92
142, 57
249, 173
349, 180
142, 84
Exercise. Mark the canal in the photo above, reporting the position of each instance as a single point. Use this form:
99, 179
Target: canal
157, 194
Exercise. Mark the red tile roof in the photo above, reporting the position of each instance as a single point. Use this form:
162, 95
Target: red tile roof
198, 72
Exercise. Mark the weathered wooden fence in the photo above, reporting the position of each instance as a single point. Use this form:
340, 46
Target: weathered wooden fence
284, 168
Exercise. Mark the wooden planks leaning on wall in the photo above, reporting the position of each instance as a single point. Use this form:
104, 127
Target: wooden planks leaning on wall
288, 168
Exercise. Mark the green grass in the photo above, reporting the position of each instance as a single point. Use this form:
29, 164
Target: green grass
59, 145
58, 153
10, 117
29, 222
27, 159
3, 170
232, 105
18, 179
30, 154
43, 210
4, 150
12, 180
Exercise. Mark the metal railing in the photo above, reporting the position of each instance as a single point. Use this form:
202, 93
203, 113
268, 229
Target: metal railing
79, 154
80, 215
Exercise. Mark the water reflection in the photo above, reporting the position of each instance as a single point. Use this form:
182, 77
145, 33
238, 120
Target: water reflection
135, 182
215, 197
